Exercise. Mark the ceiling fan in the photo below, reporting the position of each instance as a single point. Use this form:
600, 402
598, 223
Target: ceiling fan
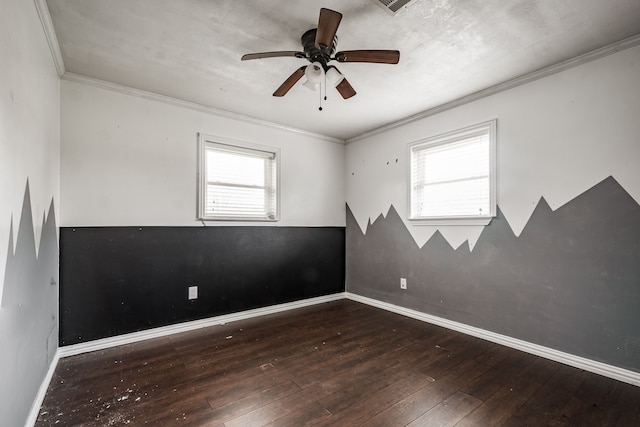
319, 48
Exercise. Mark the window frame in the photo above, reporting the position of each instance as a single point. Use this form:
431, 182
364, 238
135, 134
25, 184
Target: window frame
205, 140
454, 137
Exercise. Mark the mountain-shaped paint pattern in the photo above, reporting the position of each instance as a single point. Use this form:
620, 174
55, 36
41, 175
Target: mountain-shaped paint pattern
570, 281
28, 313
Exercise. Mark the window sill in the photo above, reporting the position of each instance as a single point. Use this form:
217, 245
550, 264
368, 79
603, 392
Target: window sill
450, 221
239, 219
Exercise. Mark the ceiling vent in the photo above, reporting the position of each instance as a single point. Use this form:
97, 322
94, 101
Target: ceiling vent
393, 6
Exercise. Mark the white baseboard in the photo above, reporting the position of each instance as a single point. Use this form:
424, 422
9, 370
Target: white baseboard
589, 365
600, 368
42, 391
160, 332
104, 343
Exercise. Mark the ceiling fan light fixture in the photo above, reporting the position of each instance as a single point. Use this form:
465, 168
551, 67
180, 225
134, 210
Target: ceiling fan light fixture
319, 48
334, 77
314, 73
311, 86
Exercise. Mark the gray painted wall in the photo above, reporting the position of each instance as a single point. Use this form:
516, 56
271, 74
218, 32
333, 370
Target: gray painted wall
28, 314
570, 281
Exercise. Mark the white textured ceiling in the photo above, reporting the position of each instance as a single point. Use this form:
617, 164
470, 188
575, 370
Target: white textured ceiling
191, 49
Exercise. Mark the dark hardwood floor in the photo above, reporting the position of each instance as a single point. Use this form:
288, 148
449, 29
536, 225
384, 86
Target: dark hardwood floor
334, 364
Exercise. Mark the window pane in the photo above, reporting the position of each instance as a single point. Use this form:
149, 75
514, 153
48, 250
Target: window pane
235, 168
457, 198
238, 182
451, 176
456, 161
235, 201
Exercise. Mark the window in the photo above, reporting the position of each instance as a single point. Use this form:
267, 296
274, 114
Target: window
452, 177
237, 181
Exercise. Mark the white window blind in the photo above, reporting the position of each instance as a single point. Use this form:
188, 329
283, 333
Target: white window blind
452, 176
238, 182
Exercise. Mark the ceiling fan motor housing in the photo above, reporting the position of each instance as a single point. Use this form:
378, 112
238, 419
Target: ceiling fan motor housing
314, 53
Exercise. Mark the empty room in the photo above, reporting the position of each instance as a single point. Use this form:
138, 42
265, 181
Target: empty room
338, 213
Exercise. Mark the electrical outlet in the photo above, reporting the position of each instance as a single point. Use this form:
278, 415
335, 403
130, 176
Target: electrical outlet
193, 292
403, 283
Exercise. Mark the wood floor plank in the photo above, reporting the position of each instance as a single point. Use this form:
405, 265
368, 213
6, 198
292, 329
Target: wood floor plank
542, 406
309, 415
624, 396
494, 379
497, 409
494, 355
416, 404
251, 402
598, 402
335, 364
226, 390
459, 349
278, 409
448, 412
376, 372
330, 365
365, 407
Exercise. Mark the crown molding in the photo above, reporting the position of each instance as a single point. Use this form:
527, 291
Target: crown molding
47, 25
102, 84
593, 55
56, 54
50, 34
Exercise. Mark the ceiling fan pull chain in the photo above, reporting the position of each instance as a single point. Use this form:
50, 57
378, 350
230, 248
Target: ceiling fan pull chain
320, 93
325, 86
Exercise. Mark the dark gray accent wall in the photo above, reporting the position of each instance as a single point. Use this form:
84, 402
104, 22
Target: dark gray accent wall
570, 281
117, 280
28, 314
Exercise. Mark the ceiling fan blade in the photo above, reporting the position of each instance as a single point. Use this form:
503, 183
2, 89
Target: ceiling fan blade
261, 55
345, 89
327, 26
377, 56
288, 84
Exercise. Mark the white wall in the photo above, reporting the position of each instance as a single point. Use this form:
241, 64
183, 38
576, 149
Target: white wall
128, 161
557, 137
29, 150
29, 120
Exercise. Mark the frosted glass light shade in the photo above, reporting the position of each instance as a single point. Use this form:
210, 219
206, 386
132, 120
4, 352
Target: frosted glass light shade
314, 73
311, 86
334, 77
